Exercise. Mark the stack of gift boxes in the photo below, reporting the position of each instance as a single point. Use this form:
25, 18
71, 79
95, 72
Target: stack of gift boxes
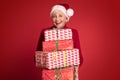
58, 57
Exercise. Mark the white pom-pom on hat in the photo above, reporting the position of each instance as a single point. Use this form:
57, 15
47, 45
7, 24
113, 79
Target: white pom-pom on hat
70, 12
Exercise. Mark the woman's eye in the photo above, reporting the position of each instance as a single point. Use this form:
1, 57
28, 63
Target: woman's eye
53, 16
60, 15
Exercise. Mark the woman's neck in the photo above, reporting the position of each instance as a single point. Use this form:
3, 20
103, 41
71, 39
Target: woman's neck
60, 27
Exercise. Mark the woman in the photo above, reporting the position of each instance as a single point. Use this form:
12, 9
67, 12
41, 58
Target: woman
60, 15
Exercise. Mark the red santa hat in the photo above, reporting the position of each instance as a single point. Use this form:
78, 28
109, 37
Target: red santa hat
64, 8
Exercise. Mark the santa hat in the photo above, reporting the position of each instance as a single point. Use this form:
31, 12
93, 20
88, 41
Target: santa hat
64, 8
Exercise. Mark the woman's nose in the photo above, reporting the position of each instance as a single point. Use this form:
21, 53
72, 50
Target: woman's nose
57, 18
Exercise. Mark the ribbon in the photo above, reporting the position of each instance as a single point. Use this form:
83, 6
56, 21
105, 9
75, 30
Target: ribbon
42, 56
54, 55
56, 45
64, 58
55, 52
58, 73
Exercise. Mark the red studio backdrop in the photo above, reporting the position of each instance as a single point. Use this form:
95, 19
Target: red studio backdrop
96, 20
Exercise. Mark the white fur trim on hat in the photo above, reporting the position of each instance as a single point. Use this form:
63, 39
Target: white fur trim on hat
68, 13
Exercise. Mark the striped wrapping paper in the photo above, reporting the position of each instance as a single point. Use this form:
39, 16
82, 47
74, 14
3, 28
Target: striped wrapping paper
59, 59
58, 34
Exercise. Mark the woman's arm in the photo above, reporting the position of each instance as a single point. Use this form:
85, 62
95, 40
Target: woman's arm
76, 43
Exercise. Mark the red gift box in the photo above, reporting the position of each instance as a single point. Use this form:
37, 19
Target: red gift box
62, 45
58, 34
62, 74
58, 59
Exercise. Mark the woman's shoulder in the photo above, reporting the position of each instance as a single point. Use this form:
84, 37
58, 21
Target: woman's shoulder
73, 29
46, 29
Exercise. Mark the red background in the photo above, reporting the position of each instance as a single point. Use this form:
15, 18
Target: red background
96, 20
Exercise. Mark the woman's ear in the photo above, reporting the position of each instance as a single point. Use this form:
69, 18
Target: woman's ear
67, 19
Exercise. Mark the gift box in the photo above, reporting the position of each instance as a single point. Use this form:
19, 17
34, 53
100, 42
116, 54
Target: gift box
62, 74
58, 59
61, 44
58, 34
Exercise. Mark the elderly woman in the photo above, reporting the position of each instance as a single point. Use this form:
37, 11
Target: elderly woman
60, 15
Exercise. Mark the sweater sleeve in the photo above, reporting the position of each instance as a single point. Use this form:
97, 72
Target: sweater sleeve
76, 43
41, 39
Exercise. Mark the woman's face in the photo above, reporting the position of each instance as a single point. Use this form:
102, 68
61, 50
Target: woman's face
59, 19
